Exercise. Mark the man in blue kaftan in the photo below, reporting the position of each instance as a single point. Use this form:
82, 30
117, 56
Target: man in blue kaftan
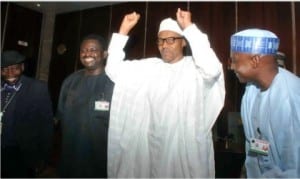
270, 106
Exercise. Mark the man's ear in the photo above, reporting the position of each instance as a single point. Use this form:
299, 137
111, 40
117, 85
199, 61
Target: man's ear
105, 54
255, 60
184, 43
22, 67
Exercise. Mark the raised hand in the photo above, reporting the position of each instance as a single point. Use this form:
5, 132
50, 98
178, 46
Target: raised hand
184, 18
129, 21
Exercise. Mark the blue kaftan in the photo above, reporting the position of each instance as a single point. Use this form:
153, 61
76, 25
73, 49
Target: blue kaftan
273, 115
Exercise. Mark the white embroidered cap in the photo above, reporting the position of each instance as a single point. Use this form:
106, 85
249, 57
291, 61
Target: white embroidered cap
254, 41
170, 25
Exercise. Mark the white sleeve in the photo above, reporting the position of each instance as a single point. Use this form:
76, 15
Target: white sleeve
210, 70
126, 71
205, 59
116, 55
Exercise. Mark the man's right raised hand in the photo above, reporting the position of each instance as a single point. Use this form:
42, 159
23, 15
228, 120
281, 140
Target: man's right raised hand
129, 21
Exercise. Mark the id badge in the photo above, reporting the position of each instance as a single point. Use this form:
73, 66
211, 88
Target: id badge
259, 146
101, 105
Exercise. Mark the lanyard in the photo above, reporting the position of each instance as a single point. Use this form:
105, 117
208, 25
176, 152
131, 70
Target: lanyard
6, 105
10, 99
256, 115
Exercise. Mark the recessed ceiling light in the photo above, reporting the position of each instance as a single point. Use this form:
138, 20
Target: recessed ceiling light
38, 5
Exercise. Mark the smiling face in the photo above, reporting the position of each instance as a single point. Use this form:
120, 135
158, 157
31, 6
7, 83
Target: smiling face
171, 49
92, 55
12, 73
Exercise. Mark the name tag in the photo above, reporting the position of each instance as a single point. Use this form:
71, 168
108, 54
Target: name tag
259, 146
101, 106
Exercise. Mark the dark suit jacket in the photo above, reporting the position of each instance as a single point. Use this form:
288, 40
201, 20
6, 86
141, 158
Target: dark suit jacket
31, 110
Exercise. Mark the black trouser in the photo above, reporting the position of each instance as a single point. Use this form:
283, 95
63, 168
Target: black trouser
13, 165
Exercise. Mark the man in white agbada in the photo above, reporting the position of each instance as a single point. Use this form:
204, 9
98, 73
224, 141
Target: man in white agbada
163, 109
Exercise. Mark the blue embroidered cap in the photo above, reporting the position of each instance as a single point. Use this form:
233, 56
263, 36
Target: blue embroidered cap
254, 41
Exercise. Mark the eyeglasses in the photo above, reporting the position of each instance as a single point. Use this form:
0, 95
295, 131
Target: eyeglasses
169, 40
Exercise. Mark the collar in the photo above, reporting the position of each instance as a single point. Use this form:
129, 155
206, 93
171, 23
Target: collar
12, 87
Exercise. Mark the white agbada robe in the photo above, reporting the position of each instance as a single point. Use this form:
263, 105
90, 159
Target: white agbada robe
162, 114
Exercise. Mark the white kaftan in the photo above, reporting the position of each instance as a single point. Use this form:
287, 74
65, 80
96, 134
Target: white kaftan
162, 114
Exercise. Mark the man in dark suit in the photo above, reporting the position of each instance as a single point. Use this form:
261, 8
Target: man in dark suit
26, 120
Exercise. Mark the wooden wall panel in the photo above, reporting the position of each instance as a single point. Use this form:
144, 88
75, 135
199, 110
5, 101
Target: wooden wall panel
95, 21
216, 19
3, 17
135, 45
273, 16
66, 33
297, 38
